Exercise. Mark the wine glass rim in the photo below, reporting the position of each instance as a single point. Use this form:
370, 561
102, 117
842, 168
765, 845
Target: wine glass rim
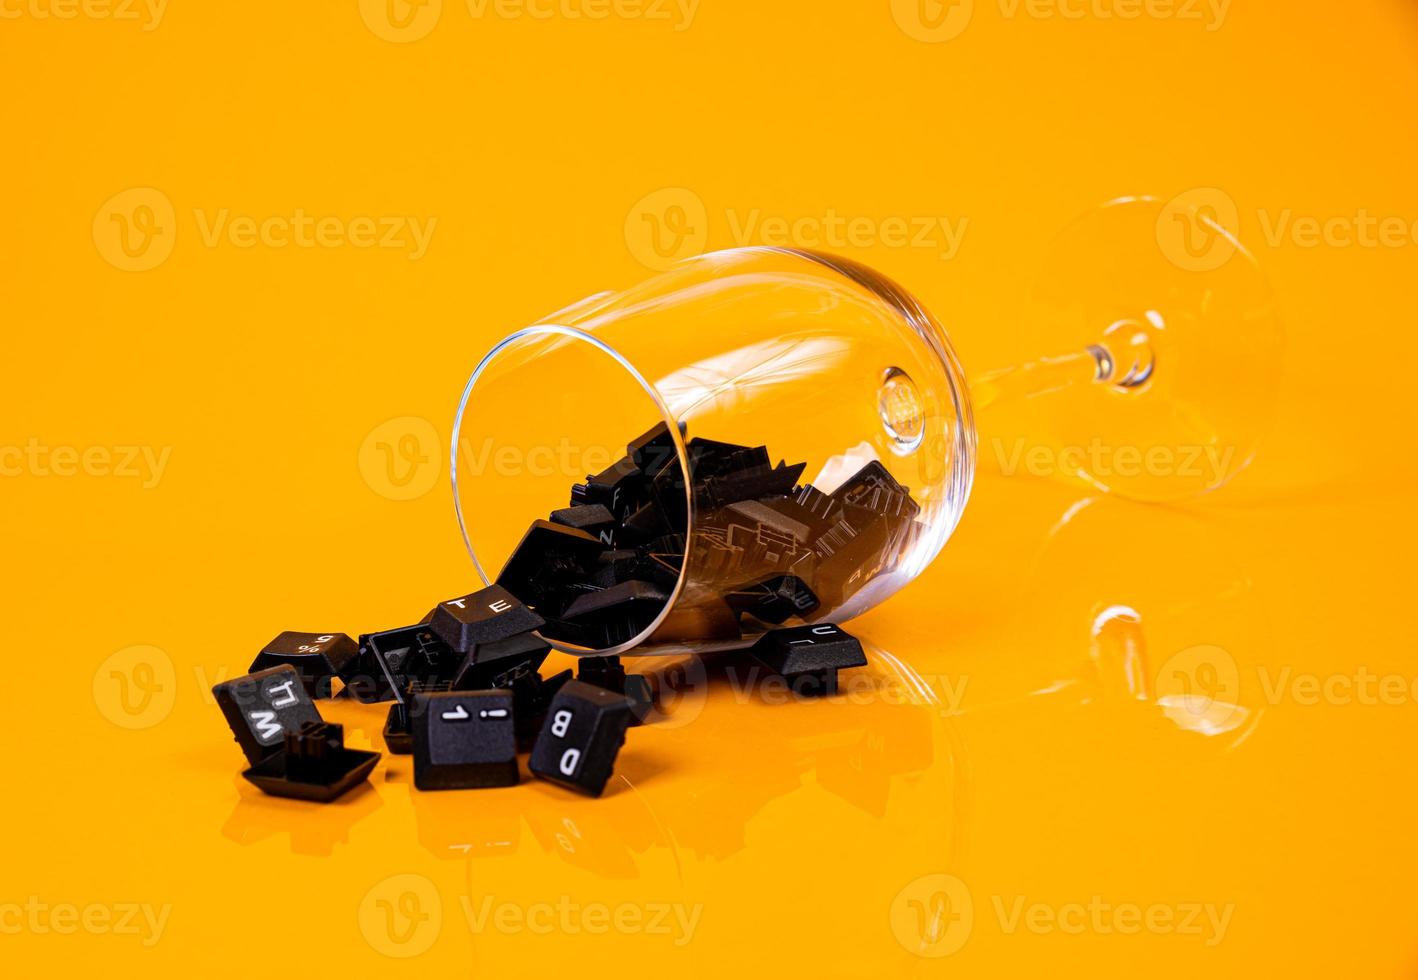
671, 424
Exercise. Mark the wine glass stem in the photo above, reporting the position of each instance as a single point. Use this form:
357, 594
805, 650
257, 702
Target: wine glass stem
1040, 377
1125, 357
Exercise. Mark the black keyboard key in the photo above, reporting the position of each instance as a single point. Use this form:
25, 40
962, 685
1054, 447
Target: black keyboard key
398, 724
609, 673
390, 659
262, 707
500, 663
465, 740
531, 694
581, 737
313, 764
318, 657
616, 615
640, 692
708, 457
484, 616
751, 484
619, 488
654, 450
809, 657
595, 519
548, 562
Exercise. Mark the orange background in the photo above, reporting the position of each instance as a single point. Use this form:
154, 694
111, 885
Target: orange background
1018, 745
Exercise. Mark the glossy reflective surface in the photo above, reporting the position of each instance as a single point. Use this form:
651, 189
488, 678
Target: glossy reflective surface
1096, 739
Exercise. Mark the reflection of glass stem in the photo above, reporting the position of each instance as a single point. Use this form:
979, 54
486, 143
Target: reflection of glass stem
1124, 358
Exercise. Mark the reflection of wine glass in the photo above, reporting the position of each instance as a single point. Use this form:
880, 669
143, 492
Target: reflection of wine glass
831, 364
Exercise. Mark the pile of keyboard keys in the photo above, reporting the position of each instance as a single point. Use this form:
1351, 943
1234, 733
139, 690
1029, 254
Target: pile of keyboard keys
464, 685
765, 548
466, 697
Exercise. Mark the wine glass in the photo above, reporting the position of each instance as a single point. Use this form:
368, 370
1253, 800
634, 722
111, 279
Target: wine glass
856, 393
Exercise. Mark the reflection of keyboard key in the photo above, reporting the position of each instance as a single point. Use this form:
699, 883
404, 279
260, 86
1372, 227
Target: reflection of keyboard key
776, 599
583, 732
808, 657
464, 740
318, 657
484, 616
875, 488
262, 707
